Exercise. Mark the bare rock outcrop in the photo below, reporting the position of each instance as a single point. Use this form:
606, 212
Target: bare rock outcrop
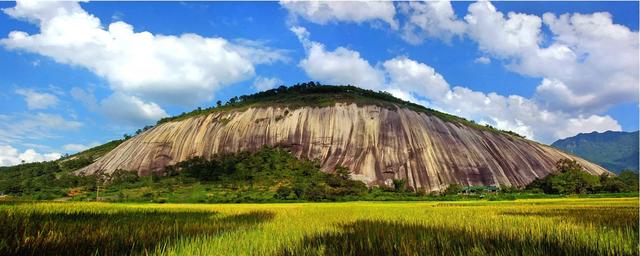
377, 144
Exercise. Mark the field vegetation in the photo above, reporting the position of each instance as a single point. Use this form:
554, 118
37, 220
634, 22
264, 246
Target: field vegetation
522, 227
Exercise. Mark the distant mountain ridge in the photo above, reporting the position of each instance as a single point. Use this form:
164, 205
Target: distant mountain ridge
615, 151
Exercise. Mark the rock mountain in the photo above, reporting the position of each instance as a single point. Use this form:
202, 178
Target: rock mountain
376, 136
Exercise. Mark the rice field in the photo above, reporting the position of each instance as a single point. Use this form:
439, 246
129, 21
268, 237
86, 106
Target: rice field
523, 227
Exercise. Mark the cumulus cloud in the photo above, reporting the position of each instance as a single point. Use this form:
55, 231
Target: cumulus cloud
411, 80
587, 66
430, 19
323, 12
340, 66
38, 100
499, 35
261, 83
11, 156
183, 70
121, 108
415, 77
521, 115
131, 110
582, 124
408, 96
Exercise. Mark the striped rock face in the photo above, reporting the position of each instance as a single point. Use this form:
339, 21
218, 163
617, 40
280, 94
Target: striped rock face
375, 143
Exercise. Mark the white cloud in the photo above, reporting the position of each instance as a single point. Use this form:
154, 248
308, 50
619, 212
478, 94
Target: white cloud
340, 66
591, 123
121, 108
74, 147
38, 100
86, 97
52, 121
18, 128
142, 68
587, 66
131, 110
258, 52
592, 61
265, 83
521, 115
407, 96
303, 36
8, 156
183, 69
482, 60
79, 147
11, 156
555, 94
430, 19
606, 69
515, 34
415, 77
323, 12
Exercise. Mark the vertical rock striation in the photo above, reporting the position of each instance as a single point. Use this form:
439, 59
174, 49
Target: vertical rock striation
377, 144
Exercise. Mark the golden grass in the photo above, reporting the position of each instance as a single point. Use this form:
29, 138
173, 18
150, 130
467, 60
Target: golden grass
526, 227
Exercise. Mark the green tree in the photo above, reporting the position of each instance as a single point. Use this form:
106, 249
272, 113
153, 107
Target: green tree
316, 192
343, 172
399, 185
298, 190
569, 178
630, 179
609, 183
453, 189
282, 193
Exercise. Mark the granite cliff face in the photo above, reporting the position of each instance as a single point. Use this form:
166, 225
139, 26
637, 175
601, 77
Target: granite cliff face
377, 144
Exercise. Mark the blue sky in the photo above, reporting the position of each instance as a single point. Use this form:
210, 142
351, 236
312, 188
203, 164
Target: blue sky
78, 75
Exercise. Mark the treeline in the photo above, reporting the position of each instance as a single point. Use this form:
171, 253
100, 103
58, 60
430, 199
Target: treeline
272, 175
